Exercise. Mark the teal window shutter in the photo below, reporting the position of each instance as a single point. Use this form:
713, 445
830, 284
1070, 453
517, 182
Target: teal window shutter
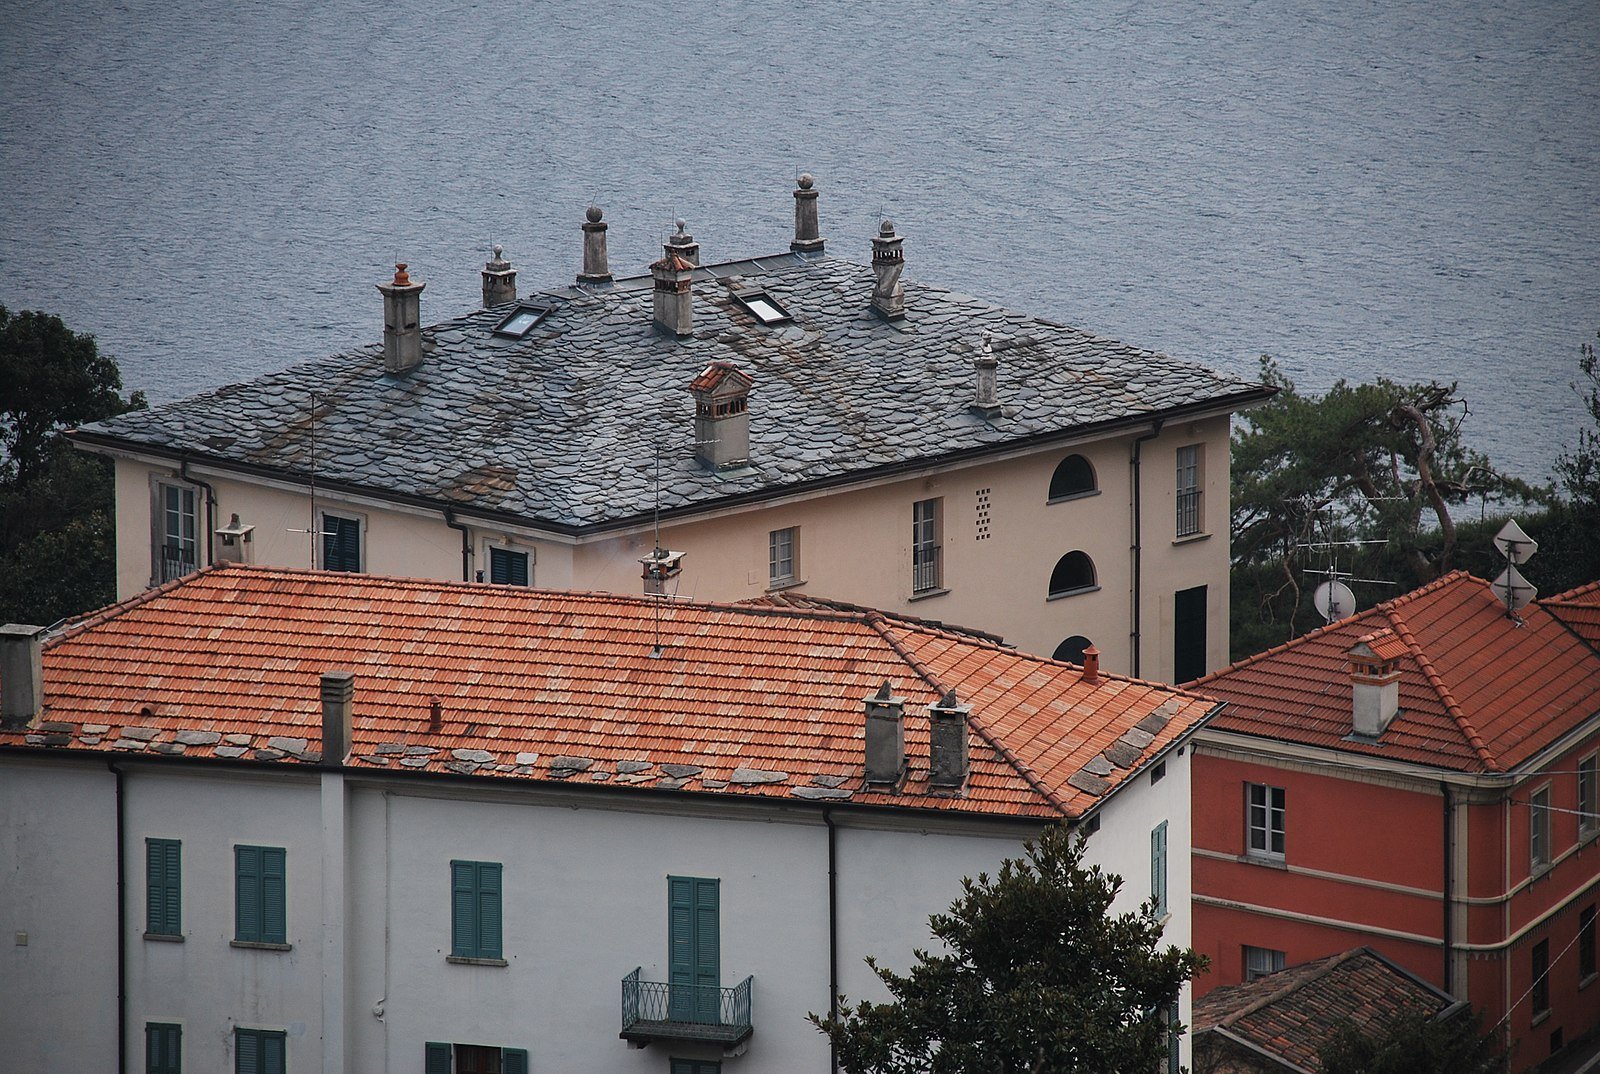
1158, 867
475, 915
163, 887
247, 893
163, 1048
514, 1061
507, 567
341, 543
247, 1052
274, 896
489, 909
438, 1058
694, 956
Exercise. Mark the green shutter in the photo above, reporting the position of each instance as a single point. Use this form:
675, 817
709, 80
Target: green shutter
438, 1058
274, 896
488, 909
272, 1049
247, 1052
163, 891
463, 910
694, 962
514, 1061
163, 1048
247, 893
1158, 866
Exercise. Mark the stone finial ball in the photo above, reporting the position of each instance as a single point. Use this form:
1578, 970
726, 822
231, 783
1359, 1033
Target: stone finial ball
498, 250
680, 223
594, 214
806, 181
886, 228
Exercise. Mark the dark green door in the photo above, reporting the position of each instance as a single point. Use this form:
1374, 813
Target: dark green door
694, 950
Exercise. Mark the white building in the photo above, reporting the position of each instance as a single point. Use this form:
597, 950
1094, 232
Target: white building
303, 821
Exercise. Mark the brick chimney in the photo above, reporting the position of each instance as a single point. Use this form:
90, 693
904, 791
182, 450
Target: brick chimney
674, 313
402, 315
886, 736
1091, 665
948, 760
499, 281
1375, 682
722, 416
595, 266
21, 674
683, 244
807, 240
888, 261
986, 398
338, 693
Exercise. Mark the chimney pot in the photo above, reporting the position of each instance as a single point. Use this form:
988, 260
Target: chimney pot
886, 736
948, 753
596, 268
338, 693
888, 261
1374, 683
1091, 664
499, 280
402, 315
986, 400
722, 416
807, 238
435, 714
21, 674
674, 312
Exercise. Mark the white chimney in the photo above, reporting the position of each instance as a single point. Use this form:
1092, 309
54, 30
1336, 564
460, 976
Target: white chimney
1375, 682
674, 313
722, 416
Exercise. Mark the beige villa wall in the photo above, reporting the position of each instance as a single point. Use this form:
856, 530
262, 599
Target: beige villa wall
854, 545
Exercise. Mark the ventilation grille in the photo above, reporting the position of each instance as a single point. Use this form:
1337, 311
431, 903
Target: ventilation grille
983, 515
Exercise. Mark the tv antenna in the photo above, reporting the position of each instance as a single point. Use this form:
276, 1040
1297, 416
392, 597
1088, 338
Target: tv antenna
1514, 591
1333, 598
313, 530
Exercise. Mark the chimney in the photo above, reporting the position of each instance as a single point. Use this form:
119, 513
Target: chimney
947, 728
886, 736
237, 541
986, 401
338, 689
1375, 682
672, 273
402, 312
722, 416
595, 267
1091, 665
683, 244
806, 238
21, 674
435, 714
888, 260
499, 281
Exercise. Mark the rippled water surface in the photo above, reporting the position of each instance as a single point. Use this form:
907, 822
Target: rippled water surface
1406, 188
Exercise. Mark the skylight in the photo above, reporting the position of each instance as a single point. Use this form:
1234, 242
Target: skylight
765, 308
520, 321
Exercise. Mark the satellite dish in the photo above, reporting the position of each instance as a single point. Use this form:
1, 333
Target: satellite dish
1515, 545
1513, 588
1334, 600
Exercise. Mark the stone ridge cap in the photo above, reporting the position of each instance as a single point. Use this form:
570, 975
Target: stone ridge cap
1570, 597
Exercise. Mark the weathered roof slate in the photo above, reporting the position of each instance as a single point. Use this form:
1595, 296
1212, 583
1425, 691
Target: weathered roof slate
758, 700
559, 427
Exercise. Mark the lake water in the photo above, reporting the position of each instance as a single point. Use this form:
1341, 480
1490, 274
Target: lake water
1407, 188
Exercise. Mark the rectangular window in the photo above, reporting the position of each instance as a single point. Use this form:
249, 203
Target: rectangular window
1158, 867
163, 907
1260, 961
927, 573
475, 909
781, 548
259, 895
508, 567
163, 1048
696, 1066
1188, 634
258, 1051
1189, 520
1264, 820
341, 543
694, 950
444, 1058
1539, 829
1586, 951
177, 532
1587, 819
1541, 978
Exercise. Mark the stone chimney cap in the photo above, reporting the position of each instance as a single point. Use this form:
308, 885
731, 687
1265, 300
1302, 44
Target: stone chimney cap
805, 182
673, 262
949, 700
497, 258
401, 277
886, 228
1383, 644
715, 373
593, 214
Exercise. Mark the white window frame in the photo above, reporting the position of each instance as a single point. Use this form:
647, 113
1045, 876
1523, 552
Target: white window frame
491, 546
360, 518
1260, 961
927, 546
1539, 830
160, 484
1263, 820
1189, 494
783, 557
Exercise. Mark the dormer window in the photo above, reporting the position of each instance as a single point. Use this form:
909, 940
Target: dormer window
762, 306
521, 321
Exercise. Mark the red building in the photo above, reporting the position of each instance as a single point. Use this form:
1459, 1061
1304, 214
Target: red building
1421, 778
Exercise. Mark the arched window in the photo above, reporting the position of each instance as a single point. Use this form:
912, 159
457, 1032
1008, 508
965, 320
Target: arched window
1073, 477
1074, 573
1072, 649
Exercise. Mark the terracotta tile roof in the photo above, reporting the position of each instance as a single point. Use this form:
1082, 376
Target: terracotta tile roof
752, 699
1479, 691
1579, 609
1292, 1014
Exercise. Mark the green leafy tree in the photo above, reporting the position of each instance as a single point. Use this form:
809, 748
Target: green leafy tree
57, 531
1037, 976
1415, 1044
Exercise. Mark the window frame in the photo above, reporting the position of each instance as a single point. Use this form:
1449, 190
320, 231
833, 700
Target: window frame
1189, 491
927, 547
360, 520
163, 909
262, 1039
1269, 811
1539, 854
439, 1057
160, 485
1058, 492
776, 578
1275, 961
475, 938
1063, 565
163, 1048
490, 548
270, 927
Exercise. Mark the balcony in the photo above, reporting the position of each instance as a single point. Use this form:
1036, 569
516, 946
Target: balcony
653, 1011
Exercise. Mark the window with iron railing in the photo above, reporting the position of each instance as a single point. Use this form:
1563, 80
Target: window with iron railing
1189, 519
177, 532
927, 574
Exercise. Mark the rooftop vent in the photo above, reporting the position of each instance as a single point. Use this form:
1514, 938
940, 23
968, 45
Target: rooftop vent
402, 315
722, 416
683, 244
1091, 664
499, 280
888, 261
886, 736
986, 399
595, 266
807, 240
1375, 682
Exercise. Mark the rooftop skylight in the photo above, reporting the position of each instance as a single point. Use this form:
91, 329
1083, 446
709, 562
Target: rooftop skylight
765, 308
521, 321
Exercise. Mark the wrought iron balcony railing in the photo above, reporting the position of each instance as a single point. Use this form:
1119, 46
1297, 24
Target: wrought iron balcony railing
652, 1010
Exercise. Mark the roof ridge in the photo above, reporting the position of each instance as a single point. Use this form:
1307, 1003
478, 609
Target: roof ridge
122, 607
1423, 590
876, 621
1452, 706
1567, 596
1291, 986
833, 603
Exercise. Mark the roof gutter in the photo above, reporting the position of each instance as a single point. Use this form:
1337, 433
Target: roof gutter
122, 929
211, 507
833, 932
466, 542
1136, 634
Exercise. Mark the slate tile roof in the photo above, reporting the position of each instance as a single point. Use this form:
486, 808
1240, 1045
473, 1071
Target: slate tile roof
1479, 691
1292, 1014
559, 428
762, 699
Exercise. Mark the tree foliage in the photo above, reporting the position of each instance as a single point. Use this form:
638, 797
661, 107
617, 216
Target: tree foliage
1415, 1044
1037, 976
57, 530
